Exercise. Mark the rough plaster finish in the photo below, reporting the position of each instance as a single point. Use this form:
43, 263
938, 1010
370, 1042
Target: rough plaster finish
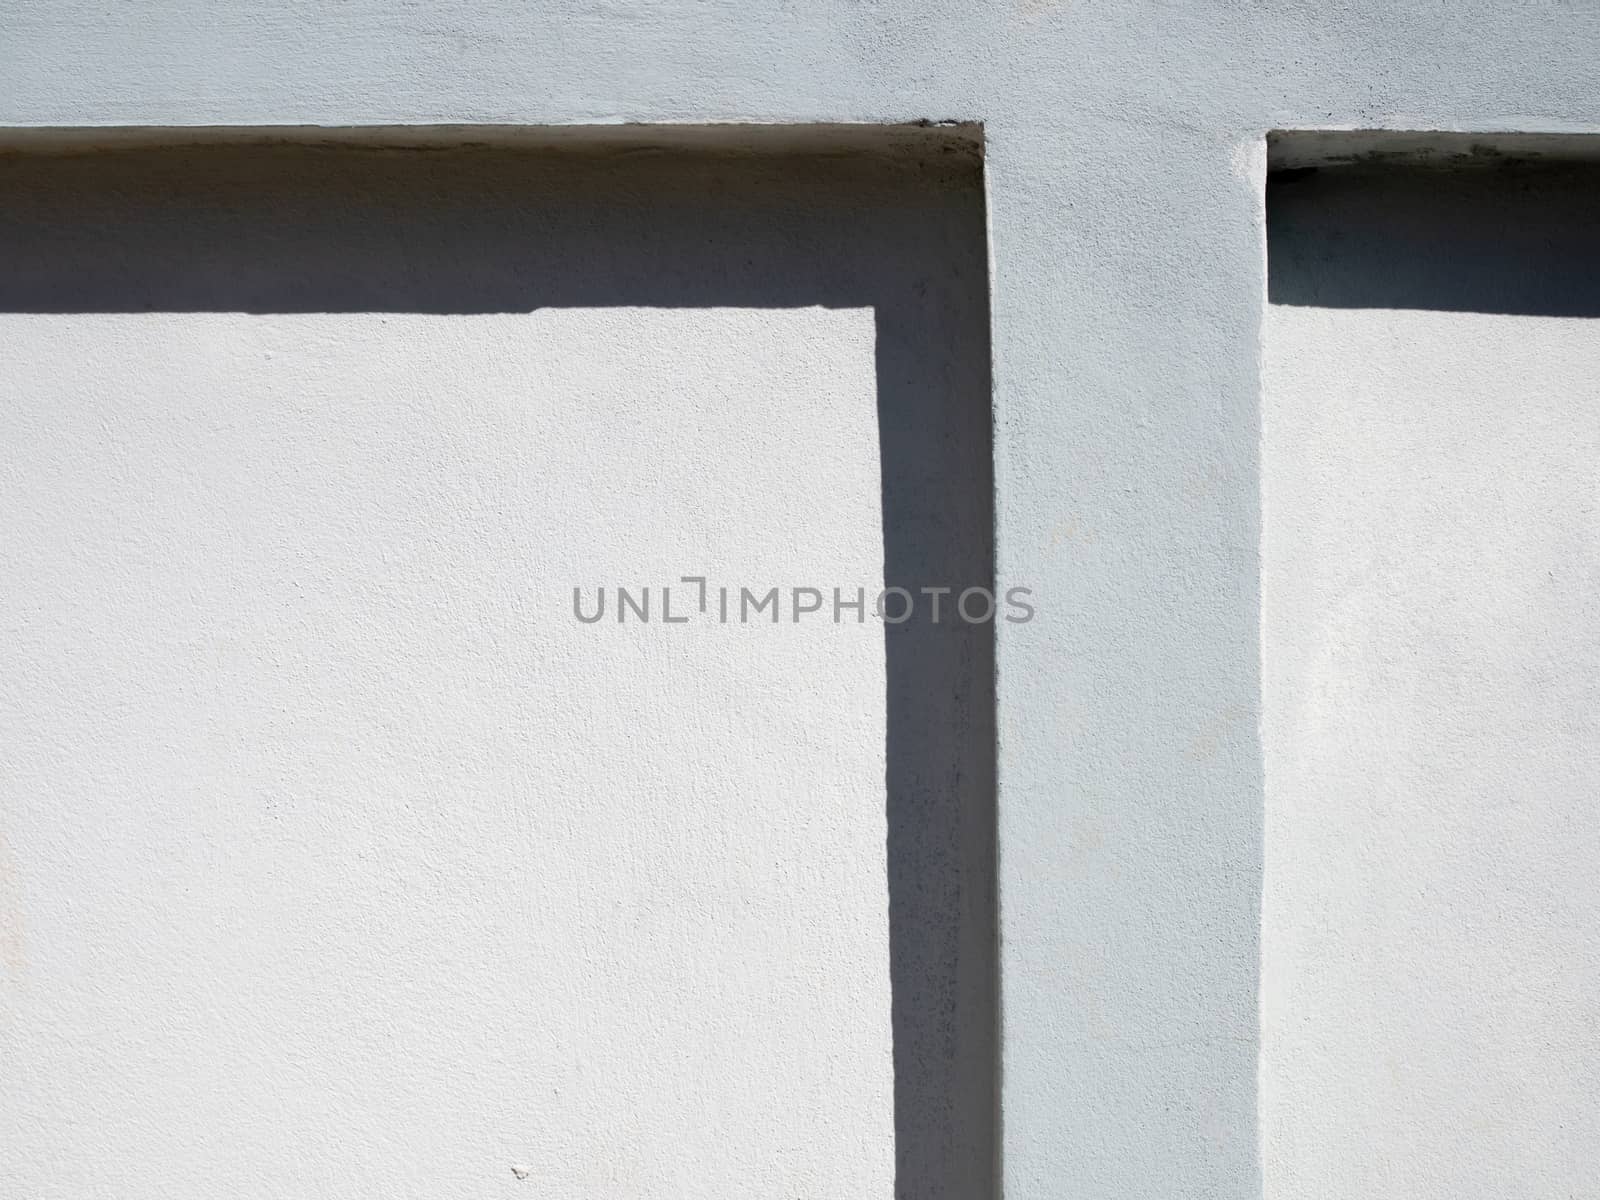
1123, 170
1431, 634
343, 859
655, 911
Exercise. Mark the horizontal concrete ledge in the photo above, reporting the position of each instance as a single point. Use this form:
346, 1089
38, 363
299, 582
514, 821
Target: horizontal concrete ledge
1289, 149
958, 139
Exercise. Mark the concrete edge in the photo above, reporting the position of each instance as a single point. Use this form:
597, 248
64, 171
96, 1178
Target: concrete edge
956, 141
1298, 149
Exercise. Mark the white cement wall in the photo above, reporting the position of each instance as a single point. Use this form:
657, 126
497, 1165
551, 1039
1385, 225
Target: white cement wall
1431, 645
339, 858
1123, 168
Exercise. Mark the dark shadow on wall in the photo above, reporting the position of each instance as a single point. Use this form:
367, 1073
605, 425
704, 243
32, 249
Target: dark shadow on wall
302, 229
1506, 237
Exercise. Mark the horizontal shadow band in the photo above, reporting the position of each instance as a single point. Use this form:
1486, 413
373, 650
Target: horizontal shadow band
1520, 240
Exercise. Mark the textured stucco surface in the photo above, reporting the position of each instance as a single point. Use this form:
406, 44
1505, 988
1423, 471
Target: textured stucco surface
1431, 639
341, 857
1123, 171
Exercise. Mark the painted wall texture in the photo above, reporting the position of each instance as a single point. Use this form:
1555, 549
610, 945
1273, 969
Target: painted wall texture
1124, 165
1431, 635
335, 865
341, 857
